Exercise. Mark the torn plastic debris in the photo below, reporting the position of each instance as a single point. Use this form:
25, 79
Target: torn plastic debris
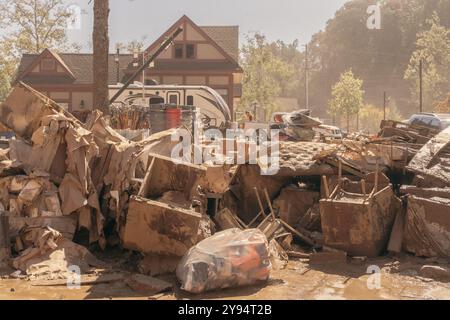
230, 258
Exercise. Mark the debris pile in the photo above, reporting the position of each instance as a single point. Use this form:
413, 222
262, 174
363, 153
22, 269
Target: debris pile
63, 174
63, 181
299, 125
156, 118
411, 134
47, 253
427, 220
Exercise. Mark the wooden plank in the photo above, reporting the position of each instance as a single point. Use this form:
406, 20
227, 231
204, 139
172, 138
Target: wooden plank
84, 281
4, 237
396, 239
143, 191
327, 188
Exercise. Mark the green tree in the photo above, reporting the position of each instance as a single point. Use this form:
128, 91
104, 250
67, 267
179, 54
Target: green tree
289, 53
433, 48
131, 47
264, 74
347, 97
379, 57
30, 26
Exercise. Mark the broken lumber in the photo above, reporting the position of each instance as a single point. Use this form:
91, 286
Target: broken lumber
4, 238
85, 280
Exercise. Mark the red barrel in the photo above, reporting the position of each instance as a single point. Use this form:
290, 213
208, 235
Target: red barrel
173, 117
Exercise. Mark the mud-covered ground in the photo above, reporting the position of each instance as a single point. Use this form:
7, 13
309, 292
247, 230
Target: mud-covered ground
399, 279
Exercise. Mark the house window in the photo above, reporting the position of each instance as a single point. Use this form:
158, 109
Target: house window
48, 64
173, 99
190, 51
156, 100
178, 51
190, 100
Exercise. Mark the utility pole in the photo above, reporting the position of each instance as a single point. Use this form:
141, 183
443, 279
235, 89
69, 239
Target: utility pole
357, 121
118, 64
421, 84
384, 105
143, 78
306, 78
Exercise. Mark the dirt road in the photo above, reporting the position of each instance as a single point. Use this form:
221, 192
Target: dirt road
399, 279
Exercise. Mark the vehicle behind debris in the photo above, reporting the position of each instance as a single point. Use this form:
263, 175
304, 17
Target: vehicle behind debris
214, 111
329, 132
438, 121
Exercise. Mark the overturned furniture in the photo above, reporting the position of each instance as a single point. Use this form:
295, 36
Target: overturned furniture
359, 223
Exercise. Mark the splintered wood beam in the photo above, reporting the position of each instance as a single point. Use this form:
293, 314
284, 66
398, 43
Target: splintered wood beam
326, 187
143, 191
261, 207
270, 204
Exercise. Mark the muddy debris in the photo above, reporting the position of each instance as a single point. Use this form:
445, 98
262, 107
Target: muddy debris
70, 189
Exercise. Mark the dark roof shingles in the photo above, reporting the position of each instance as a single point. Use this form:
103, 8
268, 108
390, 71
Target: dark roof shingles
227, 37
81, 66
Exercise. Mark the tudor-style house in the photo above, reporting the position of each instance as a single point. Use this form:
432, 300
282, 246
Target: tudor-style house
199, 56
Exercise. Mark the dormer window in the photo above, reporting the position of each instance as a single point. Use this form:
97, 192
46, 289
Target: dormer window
184, 51
190, 51
48, 64
178, 51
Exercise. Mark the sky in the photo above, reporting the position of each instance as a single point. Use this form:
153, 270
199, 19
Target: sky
146, 20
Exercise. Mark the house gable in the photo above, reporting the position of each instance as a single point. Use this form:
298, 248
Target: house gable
47, 64
193, 45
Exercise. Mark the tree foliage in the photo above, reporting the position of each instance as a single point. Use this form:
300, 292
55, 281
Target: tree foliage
370, 117
347, 96
265, 74
379, 57
30, 26
4, 85
433, 48
133, 46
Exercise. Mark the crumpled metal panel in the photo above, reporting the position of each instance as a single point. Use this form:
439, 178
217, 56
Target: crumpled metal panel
427, 229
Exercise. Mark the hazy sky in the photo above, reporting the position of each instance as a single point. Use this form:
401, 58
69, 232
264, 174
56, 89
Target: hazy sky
147, 19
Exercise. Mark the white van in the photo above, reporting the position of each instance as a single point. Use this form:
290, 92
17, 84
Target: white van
214, 111
329, 132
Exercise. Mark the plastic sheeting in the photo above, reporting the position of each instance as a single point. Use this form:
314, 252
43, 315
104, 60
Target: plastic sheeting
230, 258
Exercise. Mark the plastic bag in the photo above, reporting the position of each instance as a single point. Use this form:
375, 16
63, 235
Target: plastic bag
230, 258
